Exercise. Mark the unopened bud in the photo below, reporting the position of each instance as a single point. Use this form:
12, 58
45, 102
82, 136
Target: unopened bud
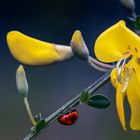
78, 46
128, 4
21, 81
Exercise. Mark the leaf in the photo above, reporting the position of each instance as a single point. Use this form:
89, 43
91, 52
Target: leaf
40, 125
99, 101
84, 96
138, 19
135, 22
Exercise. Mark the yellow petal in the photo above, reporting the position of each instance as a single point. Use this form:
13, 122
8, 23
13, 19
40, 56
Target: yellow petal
113, 77
31, 51
120, 107
116, 42
119, 98
135, 64
133, 90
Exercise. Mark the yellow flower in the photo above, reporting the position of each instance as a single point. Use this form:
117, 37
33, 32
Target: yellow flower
118, 43
31, 51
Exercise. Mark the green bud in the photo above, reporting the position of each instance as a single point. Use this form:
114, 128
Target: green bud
78, 46
128, 5
21, 81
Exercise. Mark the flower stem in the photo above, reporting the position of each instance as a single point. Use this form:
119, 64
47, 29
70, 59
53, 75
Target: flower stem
95, 61
29, 111
73, 102
99, 65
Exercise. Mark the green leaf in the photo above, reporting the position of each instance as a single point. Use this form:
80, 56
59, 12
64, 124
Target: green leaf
135, 22
84, 96
99, 101
38, 126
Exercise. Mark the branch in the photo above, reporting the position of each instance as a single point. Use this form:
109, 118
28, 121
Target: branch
73, 102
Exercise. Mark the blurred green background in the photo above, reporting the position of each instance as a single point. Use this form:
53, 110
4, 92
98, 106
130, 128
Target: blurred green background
52, 86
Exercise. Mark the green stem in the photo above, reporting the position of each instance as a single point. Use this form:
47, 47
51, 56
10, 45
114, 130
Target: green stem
73, 102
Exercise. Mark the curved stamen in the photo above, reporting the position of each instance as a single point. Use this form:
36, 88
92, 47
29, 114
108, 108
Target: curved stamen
127, 77
119, 66
123, 73
120, 63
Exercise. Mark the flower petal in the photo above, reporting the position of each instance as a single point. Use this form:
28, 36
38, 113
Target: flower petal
116, 42
119, 103
135, 64
119, 98
113, 77
31, 51
134, 101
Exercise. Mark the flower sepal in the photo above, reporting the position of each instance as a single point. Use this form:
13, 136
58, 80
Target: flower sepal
78, 46
21, 81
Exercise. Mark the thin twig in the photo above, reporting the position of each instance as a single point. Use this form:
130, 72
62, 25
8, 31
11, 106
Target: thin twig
73, 102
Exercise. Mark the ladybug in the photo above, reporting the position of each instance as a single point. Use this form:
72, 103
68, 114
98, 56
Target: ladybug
68, 118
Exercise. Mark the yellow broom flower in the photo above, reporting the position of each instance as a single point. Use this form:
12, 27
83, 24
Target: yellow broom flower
32, 51
119, 43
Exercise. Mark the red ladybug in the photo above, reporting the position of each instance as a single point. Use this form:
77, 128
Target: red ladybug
68, 118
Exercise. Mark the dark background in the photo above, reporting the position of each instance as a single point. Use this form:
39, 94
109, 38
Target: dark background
52, 86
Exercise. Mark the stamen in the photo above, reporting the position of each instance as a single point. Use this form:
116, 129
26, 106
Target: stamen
133, 69
123, 77
119, 66
123, 72
129, 47
120, 63
127, 77
136, 50
138, 61
125, 53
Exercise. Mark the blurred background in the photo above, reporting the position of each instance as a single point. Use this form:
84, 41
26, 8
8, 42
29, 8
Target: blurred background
52, 86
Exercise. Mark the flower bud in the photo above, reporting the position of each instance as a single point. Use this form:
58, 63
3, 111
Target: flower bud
21, 81
128, 4
78, 46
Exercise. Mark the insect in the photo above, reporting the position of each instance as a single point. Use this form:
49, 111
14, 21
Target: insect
68, 118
